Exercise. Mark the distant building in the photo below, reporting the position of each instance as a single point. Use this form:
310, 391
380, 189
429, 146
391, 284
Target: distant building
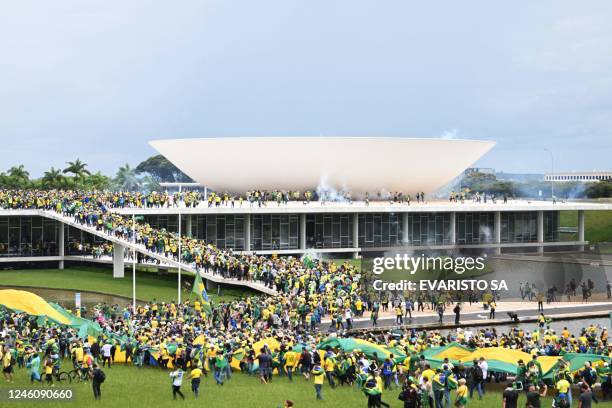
482, 170
587, 176
519, 177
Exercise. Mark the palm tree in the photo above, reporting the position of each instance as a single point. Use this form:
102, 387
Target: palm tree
19, 172
53, 178
78, 168
17, 177
126, 178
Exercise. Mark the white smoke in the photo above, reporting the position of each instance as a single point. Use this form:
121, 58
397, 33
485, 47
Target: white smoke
487, 232
449, 134
311, 253
327, 192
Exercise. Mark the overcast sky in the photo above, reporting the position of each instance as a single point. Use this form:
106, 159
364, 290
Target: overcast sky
98, 79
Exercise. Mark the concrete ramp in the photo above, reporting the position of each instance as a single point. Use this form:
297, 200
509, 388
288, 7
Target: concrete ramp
118, 261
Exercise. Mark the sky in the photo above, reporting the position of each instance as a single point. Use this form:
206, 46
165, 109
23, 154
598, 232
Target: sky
97, 80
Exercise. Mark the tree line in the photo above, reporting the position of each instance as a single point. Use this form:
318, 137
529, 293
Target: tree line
76, 175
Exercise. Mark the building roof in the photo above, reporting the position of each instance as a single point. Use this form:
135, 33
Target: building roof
355, 164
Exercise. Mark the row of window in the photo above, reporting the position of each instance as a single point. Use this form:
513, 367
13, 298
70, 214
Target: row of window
578, 177
34, 236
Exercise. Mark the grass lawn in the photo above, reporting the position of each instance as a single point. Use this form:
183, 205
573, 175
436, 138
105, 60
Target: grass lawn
149, 285
149, 387
597, 225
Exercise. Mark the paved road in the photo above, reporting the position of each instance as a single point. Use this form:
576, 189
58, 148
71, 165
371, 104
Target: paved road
501, 316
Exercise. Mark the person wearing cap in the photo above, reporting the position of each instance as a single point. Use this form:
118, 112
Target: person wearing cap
318, 375
461, 399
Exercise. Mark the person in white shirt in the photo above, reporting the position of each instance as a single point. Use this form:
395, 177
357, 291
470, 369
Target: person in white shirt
348, 315
484, 366
106, 354
177, 380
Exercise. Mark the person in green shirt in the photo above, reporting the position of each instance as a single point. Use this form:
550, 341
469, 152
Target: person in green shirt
220, 365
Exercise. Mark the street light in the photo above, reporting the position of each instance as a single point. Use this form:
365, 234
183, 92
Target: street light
552, 173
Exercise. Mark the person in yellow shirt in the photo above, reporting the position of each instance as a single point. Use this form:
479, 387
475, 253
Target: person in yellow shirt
49, 370
318, 374
290, 360
78, 353
7, 363
195, 375
462, 392
563, 387
330, 366
428, 373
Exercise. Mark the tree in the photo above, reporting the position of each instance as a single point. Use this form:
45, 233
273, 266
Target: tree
17, 177
19, 172
127, 179
97, 181
53, 178
488, 183
600, 189
78, 168
161, 169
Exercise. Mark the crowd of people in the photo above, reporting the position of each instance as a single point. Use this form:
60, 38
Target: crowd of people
196, 341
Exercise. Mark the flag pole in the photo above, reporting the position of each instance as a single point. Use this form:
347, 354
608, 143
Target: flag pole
134, 264
179, 256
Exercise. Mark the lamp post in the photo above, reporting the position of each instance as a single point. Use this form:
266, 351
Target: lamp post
552, 173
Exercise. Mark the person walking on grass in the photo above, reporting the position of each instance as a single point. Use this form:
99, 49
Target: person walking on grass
177, 380
195, 375
97, 378
220, 367
462, 393
318, 375
8, 361
106, 354
49, 370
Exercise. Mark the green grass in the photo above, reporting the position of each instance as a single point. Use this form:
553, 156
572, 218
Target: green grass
597, 225
148, 387
149, 285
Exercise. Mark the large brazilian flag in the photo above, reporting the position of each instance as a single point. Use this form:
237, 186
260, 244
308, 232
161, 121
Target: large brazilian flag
200, 290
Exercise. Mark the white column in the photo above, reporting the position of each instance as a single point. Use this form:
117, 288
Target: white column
452, 230
303, 231
356, 235
188, 226
60, 243
405, 229
581, 228
540, 231
247, 232
497, 231
118, 260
